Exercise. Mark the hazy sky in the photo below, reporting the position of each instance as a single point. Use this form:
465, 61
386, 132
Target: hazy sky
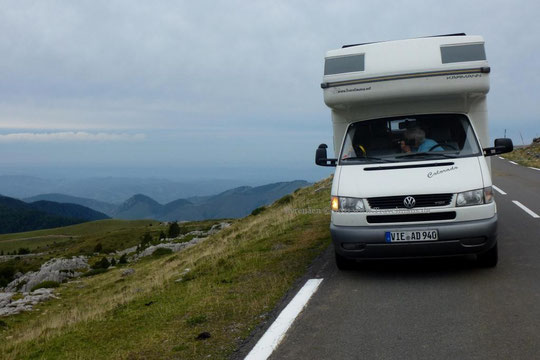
218, 88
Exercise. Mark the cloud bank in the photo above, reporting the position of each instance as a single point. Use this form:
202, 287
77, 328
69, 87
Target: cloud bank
69, 136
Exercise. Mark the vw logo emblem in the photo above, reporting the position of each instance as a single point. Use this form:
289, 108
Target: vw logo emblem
409, 202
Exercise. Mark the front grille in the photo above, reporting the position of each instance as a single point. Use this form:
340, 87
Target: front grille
379, 219
396, 202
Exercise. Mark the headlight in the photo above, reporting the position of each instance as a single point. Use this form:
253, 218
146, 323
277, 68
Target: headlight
335, 203
347, 204
475, 197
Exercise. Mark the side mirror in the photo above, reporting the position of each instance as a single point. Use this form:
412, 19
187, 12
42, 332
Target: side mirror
321, 157
502, 146
505, 144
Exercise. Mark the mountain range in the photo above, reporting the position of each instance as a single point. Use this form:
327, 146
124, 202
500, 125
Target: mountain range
113, 189
101, 206
17, 215
233, 203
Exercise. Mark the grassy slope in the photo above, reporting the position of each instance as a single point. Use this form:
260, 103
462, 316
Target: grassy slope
236, 276
526, 156
76, 240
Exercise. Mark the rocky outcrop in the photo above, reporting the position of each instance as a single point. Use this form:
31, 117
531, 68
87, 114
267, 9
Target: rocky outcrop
126, 251
26, 303
175, 246
57, 270
127, 272
217, 227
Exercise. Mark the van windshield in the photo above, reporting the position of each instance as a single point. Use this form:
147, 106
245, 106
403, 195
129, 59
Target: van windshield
409, 138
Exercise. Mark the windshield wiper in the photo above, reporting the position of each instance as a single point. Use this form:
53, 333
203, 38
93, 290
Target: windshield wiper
365, 158
426, 154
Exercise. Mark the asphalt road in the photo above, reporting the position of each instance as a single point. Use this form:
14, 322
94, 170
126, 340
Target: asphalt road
433, 309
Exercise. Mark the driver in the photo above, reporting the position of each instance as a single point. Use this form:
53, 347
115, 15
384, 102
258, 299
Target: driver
417, 137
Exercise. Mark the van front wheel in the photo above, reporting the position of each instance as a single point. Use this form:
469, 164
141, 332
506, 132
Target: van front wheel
489, 258
343, 263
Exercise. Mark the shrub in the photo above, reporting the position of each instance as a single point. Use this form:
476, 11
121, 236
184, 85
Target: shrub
6, 274
23, 251
146, 239
161, 251
174, 230
94, 272
162, 235
98, 248
113, 262
46, 285
102, 264
123, 259
258, 210
285, 200
20, 285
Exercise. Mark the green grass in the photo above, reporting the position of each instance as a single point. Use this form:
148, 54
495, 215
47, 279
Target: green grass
114, 233
87, 228
75, 240
46, 285
161, 252
204, 225
234, 278
93, 272
526, 156
35, 244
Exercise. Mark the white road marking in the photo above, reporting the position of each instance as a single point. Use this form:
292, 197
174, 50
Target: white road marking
530, 167
526, 209
498, 190
500, 157
273, 336
511, 162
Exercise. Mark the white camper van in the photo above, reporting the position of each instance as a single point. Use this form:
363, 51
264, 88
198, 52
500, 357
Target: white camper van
413, 176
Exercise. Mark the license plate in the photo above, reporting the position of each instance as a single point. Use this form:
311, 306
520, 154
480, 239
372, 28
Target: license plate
412, 235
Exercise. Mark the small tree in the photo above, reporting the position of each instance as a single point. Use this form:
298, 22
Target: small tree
145, 240
98, 248
162, 235
102, 264
123, 259
113, 262
174, 230
24, 251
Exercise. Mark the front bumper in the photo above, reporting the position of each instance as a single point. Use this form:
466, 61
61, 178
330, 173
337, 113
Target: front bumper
455, 238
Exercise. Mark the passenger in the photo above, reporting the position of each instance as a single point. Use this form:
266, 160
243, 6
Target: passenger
421, 143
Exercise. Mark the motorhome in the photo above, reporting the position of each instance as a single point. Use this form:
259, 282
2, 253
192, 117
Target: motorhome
410, 131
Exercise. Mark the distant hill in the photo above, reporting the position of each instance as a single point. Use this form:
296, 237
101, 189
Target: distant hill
139, 207
233, 203
17, 216
111, 189
72, 211
97, 205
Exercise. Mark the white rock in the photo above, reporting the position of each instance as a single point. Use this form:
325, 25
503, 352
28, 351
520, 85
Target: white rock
57, 269
25, 304
127, 251
127, 272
